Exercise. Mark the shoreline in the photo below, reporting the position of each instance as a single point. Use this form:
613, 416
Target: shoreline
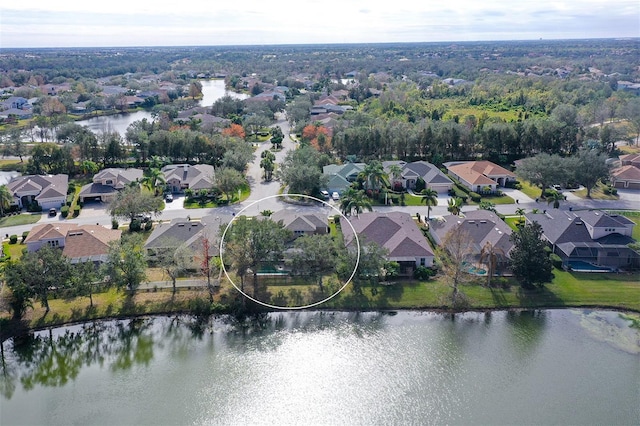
12, 329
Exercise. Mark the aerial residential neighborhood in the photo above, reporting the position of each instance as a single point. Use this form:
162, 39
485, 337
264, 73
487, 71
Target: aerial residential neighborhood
320, 213
309, 161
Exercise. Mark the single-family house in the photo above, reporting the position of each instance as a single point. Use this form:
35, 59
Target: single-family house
484, 228
626, 177
630, 160
480, 175
412, 172
185, 176
397, 232
302, 223
588, 239
189, 235
340, 176
79, 243
106, 183
49, 191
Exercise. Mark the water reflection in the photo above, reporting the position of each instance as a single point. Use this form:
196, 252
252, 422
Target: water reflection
321, 367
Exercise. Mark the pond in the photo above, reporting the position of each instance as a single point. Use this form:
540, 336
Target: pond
212, 90
532, 367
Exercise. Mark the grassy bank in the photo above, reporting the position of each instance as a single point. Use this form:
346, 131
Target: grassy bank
568, 289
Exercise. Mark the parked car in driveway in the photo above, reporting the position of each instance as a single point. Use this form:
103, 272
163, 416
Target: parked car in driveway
335, 196
168, 198
325, 194
52, 212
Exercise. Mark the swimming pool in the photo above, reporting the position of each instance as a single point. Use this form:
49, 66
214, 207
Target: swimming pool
581, 266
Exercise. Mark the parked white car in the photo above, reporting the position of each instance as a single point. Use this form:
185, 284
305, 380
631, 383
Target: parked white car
335, 196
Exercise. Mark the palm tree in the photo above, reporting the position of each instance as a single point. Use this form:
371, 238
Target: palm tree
454, 205
489, 255
154, 180
267, 164
395, 171
430, 198
354, 200
5, 199
374, 176
555, 197
520, 212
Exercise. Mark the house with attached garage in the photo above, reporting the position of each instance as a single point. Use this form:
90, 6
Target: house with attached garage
48, 191
480, 176
396, 232
589, 240
107, 183
341, 176
186, 176
418, 170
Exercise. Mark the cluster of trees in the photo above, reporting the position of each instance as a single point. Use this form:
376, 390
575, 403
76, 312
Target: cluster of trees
368, 136
37, 274
255, 243
587, 167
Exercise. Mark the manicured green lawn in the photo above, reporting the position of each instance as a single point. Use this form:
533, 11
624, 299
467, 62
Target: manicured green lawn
21, 219
568, 289
13, 250
530, 190
597, 193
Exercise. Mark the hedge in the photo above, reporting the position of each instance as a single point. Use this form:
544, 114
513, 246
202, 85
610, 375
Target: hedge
475, 197
64, 211
76, 211
13, 239
556, 261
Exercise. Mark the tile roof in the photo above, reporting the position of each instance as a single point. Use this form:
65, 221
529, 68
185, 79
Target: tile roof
295, 221
89, 241
395, 231
482, 226
47, 231
50, 185
633, 159
628, 172
478, 172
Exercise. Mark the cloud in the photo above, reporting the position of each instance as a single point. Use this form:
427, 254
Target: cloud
41, 23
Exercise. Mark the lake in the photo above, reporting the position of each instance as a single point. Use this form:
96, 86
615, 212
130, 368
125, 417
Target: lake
212, 90
537, 367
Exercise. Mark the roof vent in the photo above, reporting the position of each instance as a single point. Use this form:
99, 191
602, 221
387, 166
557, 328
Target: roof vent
180, 224
472, 221
483, 221
579, 223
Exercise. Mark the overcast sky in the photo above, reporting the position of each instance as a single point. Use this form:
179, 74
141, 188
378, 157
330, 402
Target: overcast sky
67, 23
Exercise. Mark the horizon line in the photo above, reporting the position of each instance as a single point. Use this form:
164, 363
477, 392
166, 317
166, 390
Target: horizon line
614, 38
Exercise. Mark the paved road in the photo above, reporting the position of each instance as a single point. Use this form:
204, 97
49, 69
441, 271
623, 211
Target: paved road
96, 214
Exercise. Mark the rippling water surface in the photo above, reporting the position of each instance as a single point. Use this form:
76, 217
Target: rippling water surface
542, 367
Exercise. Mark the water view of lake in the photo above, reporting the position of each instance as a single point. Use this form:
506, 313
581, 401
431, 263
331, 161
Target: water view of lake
540, 367
212, 90
114, 123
